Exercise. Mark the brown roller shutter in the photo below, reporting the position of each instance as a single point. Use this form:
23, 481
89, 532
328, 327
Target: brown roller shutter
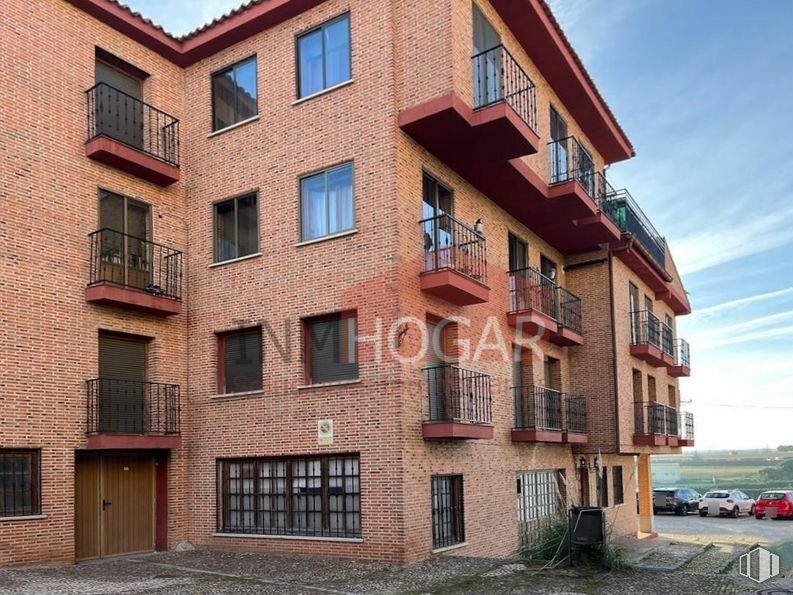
122, 358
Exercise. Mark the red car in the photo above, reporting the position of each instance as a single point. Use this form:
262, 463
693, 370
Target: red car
775, 504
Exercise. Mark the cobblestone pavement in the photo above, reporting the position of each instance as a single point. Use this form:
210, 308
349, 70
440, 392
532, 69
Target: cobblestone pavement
211, 572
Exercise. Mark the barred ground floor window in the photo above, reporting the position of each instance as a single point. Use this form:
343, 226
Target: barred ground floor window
20, 493
314, 496
448, 516
541, 500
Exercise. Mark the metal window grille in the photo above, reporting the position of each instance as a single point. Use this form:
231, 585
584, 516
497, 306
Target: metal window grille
448, 519
317, 496
619, 490
541, 500
19, 483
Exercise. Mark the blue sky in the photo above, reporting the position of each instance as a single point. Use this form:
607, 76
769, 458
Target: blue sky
704, 89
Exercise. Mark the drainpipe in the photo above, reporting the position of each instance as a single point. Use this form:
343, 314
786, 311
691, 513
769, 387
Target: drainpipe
612, 307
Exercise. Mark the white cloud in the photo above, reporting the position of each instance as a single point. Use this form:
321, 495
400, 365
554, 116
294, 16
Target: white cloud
739, 303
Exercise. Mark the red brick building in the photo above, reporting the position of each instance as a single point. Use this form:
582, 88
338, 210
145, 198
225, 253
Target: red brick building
328, 277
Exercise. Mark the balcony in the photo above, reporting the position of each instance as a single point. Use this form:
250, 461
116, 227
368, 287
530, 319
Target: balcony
540, 308
455, 261
131, 135
459, 403
651, 340
655, 424
126, 414
686, 429
133, 273
546, 415
682, 360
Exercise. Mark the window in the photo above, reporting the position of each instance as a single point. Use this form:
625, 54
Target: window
548, 268
318, 496
323, 56
19, 483
559, 150
236, 228
125, 255
234, 94
326, 203
541, 500
331, 348
240, 361
448, 518
619, 489
518, 253
603, 481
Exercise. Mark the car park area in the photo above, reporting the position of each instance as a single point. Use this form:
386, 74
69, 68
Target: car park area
767, 531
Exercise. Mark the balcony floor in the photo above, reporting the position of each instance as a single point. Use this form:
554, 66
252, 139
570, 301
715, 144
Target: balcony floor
534, 435
649, 353
454, 287
121, 156
108, 294
133, 441
649, 440
679, 371
451, 430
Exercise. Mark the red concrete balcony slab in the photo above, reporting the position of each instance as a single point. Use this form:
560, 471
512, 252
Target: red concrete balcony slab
116, 296
675, 299
449, 430
575, 438
454, 287
679, 371
649, 353
535, 435
132, 442
672, 441
669, 359
685, 442
648, 271
533, 323
648, 440
116, 154
566, 337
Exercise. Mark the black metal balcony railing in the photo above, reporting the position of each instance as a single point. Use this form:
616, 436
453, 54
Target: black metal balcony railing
575, 414
682, 353
645, 328
571, 161
129, 120
529, 289
498, 77
451, 245
649, 419
132, 407
569, 309
687, 423
134, 262
458, 395
629, 218
672, 421
667, 339
538, 407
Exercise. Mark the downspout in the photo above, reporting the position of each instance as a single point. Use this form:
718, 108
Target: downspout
614, 347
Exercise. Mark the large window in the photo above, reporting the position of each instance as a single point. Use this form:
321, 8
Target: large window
541, 501
448, 517
327, 202
19, 483
240, 362
236, 228
619, 490
234, 94
323, 56
331, 348
317, 496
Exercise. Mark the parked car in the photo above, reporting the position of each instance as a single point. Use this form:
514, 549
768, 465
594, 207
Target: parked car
775, 504
730, 502
681, 501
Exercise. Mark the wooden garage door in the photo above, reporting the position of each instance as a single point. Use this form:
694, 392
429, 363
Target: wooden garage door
114, 506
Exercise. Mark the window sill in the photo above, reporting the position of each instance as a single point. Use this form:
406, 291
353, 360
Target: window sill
440, 550
294, 537
233, 260
233, 126
323, 92
32, 517
224, 396
341, 234
329, 384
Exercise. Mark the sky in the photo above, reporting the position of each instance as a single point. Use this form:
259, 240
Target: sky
704, 90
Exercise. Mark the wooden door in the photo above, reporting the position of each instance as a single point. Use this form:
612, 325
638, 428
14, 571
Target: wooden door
114, 506
127, 505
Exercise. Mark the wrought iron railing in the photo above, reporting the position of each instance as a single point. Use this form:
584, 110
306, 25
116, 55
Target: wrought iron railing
538, 407
132, 407
687, 425
529, 289
133, 262
452, 245
575, 414
649, 419
623, 210
129, 120
458, 394
682, 353
667, 339
645, 328
569, 309
571, 161
498, 77
672, 421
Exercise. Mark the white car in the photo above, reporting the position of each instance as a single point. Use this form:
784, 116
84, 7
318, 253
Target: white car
729, 502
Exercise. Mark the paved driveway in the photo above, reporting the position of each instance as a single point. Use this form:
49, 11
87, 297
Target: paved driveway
745, 529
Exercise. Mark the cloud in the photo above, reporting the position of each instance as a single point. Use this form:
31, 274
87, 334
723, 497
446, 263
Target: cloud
739, 303
182, 16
